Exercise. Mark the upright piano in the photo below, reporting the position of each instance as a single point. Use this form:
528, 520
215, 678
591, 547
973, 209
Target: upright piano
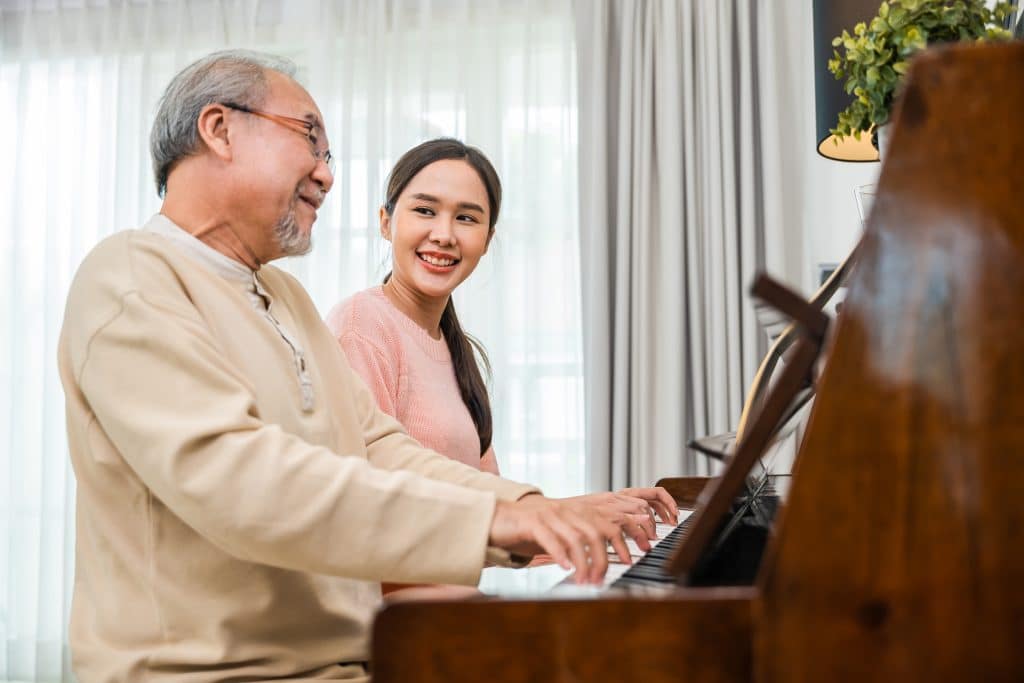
898, 552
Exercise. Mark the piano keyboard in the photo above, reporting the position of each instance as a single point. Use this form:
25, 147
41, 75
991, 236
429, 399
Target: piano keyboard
649, 570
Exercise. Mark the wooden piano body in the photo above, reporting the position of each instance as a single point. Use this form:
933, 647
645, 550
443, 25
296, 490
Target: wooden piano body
899, 554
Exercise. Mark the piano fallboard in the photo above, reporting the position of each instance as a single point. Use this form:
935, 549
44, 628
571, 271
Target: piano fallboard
702, 633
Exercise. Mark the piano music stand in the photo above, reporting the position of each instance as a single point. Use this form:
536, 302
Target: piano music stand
810, 325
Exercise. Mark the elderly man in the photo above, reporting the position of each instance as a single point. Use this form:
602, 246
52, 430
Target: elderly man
240, 497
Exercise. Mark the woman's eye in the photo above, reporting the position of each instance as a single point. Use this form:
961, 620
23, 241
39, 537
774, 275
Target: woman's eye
313, 138
465, 218
424, 210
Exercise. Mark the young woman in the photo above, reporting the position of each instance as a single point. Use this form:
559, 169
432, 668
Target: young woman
403, 337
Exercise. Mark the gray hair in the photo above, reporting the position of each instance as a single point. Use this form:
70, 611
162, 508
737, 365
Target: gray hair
237, 76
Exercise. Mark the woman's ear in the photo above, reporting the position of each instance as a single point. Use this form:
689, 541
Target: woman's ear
212, 127
385, 223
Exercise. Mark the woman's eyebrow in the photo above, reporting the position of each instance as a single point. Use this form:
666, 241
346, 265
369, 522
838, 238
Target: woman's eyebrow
471, 206
422, 196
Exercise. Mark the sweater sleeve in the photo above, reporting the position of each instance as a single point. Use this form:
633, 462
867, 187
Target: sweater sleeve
187, 424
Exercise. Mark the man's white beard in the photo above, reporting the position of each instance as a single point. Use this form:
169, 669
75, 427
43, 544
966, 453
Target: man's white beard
290, 239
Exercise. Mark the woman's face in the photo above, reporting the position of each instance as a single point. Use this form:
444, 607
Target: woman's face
439, 228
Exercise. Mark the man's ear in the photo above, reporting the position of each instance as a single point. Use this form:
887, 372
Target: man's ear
213, 130
385, 223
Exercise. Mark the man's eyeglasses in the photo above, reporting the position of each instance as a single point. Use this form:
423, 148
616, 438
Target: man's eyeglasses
302, 126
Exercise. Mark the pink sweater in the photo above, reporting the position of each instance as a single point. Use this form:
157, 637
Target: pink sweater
410, 373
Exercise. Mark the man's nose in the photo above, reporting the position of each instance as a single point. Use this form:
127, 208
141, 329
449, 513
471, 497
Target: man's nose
322, 174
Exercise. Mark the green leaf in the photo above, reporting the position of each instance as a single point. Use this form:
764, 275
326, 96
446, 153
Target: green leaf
897, 17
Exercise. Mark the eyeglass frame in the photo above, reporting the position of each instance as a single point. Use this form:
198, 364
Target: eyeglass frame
290, 122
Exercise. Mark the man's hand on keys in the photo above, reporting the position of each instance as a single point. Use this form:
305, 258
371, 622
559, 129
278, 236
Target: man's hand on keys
575, 534
640, 505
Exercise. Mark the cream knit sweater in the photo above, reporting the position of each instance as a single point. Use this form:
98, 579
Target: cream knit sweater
232, 524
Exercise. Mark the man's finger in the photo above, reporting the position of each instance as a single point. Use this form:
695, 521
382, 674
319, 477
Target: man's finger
641, 529
664, 514
654, 523
658, 498
618, 544
597, 548
552, 545
575, 544
670, 504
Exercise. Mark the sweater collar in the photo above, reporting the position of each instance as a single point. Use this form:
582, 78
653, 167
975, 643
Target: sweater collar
206, 255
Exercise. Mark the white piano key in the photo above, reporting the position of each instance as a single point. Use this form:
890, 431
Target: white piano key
524, 582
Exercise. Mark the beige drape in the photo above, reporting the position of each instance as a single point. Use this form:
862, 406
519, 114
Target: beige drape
680, 179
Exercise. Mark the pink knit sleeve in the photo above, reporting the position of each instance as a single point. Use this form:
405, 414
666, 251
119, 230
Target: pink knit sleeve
378, 371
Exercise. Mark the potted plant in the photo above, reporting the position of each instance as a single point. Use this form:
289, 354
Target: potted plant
878, 53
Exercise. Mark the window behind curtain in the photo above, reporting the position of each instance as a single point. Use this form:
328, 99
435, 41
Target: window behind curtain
78, 89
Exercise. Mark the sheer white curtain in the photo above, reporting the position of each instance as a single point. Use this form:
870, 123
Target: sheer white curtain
78, 86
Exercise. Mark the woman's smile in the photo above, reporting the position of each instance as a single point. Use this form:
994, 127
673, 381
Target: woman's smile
436, 262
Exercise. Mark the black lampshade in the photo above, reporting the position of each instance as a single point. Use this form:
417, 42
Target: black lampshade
830, 18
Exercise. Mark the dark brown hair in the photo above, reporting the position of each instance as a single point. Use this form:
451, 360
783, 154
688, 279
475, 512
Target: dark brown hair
462, 347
